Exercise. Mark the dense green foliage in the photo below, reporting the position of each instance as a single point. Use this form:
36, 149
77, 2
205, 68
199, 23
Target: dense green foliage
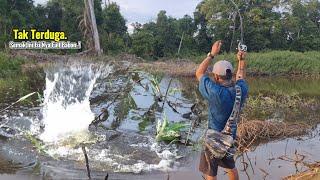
162, 38
268, 25
291, 25
63, 15
113, 33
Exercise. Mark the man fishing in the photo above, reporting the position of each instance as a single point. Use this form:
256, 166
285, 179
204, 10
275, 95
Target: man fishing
220, 91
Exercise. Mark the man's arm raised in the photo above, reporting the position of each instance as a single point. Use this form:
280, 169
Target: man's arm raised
241, 73
205, 63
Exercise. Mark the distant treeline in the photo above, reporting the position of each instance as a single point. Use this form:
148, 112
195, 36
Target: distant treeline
268, 25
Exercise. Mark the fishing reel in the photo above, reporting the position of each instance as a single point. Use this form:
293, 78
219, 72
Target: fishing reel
242, 47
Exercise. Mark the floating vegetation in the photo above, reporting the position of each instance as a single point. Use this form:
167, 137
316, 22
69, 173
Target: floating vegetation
169, 131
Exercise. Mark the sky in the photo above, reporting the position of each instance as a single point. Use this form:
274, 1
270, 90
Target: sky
146, 10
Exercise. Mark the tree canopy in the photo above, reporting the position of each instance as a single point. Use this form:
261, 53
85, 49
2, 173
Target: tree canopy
268, 25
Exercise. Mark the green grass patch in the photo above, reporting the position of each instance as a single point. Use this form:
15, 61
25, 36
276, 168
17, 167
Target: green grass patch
10, 66
277, 62
16, 82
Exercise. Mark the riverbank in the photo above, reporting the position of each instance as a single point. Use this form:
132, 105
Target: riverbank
272, 63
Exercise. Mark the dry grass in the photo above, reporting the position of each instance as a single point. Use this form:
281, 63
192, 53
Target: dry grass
172, 68
313, 173
251, 133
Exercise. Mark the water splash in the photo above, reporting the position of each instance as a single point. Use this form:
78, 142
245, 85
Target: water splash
66, 109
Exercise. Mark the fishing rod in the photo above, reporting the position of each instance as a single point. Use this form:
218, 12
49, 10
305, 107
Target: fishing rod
241, 45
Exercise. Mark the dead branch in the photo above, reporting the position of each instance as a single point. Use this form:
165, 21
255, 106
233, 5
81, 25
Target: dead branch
166, 95
264, 172
87, 160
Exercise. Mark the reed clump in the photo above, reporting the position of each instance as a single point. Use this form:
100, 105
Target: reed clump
252, 133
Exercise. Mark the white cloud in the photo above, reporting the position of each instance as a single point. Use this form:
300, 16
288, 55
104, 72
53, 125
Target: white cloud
40, 1
146, 10
130, 28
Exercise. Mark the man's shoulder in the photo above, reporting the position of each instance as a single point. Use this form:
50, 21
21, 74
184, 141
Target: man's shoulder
208, 87
208, 82
242, 82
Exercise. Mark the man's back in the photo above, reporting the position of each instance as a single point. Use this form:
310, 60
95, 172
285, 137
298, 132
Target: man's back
221, 101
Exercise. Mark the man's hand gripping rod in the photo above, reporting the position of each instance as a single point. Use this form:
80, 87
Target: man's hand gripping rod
242, 47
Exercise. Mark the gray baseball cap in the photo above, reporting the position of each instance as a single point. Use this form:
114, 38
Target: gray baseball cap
220, 67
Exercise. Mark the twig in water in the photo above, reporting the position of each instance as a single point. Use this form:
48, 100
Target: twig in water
245, 167
250, 162
87, 160
165, 96
270, 159
264, 172
285, 149
173, 108
192, 126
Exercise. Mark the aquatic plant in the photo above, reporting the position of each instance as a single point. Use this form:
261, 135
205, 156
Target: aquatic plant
19, 100
169, 131
155, 85
38, 145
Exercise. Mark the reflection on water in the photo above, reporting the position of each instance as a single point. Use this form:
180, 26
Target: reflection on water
129, 103
285, 85
278, 159
273, 160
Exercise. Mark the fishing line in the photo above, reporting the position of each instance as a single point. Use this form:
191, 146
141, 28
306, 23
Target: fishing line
240, 18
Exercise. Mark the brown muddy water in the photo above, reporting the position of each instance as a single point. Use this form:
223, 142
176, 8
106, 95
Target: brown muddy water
121, 142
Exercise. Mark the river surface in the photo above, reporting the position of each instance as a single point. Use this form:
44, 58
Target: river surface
113, 109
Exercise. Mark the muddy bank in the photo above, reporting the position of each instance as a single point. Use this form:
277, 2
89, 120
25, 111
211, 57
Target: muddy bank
173, 67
